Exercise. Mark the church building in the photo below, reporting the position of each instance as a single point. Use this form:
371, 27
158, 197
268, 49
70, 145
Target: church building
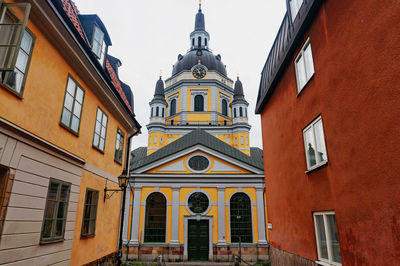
197, 190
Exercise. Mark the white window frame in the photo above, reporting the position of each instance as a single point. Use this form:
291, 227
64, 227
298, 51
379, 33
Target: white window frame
295, 6
300, 59
103, 122
323, 261
318, 162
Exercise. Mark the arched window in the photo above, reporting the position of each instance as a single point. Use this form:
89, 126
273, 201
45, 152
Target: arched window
162, 112
205, 42
199, 41
173, 107
155, 224
234, 112
193, 42
240, 111
198, 103
224, 107
245, 110
157, 111
151, 111
241, 224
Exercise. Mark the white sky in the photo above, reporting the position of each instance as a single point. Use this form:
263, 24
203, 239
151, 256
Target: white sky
148, 35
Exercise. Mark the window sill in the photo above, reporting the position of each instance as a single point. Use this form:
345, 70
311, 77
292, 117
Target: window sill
317, 167
97, 149
68, 129
9, 89
45, 242
118, 162
323, 263
88, 236
305, 85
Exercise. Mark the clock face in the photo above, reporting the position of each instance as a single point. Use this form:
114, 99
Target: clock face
199, 72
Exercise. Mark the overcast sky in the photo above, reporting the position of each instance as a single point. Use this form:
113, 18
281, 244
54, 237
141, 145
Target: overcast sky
148, 35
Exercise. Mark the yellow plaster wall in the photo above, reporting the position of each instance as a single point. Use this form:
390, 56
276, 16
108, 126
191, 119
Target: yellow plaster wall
196, 117
45, 108
85, 250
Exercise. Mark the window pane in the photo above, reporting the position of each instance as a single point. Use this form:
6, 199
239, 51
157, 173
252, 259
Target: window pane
77, 109
66, 116
103, 132
319, 135
22, 60
96, 140
85, 227
97, 128
75, 123
64, 192
26, 42
334, 236
69, 100
53, 189
19, 77
99, 115
155, 221
79, 95
46, 233
319, 219
301, 73
240, 216
310, 147
61, 210
101, 145
104, 123
71, 86
309, 61
59, 228
50, 209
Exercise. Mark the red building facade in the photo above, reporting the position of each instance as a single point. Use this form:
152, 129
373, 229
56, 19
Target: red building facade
329, 101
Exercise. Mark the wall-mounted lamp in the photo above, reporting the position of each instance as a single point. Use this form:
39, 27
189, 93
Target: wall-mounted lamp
122, 182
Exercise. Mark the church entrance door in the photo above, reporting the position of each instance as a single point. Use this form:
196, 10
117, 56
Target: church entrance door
198, 240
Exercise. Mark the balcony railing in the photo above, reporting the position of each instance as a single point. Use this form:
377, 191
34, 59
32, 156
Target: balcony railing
173, 122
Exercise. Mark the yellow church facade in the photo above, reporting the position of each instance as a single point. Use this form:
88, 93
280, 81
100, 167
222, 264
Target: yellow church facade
197, 190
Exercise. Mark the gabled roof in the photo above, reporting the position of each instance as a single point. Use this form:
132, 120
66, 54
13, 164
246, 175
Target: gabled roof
193, 138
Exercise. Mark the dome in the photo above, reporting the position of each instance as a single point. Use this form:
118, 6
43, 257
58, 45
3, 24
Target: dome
206, 58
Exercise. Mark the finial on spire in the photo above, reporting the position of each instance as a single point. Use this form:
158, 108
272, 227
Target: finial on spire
199, 5
160, 73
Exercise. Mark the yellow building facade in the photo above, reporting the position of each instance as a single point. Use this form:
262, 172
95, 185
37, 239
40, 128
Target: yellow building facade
197, 189
65, 121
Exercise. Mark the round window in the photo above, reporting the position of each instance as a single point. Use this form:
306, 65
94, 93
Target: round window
198, 202
198, 163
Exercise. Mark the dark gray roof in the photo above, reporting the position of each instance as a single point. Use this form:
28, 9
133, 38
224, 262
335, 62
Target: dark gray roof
200, 22
193, 138
88, 22
256, 154
206, 58
238, 95
286, 41
159, 88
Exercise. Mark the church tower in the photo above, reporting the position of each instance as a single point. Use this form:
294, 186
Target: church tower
196, 192
199, 94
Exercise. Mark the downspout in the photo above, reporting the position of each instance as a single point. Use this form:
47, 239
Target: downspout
126, 170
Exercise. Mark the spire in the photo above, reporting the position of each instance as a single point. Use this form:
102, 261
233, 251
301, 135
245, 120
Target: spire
238, 95
159, 92
200, 23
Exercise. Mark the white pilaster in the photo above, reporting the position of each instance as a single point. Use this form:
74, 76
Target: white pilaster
126, 214
175, 216
136, 216
221, 216
262, 240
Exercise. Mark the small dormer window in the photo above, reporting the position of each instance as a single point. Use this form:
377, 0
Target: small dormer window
98, 42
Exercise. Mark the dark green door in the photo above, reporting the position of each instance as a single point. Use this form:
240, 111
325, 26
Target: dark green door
198, 240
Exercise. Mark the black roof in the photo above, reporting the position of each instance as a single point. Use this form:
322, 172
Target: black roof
192, 58
286, 41
197, 136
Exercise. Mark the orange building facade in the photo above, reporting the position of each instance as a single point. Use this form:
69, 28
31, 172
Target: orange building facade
65, 122
330, 107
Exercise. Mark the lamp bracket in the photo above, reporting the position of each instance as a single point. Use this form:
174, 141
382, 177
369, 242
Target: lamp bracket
110, 195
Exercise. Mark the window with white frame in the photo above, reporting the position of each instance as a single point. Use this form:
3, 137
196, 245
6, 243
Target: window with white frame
314, 144
304, 65
295, 6
72, 108
100, 130
327, 238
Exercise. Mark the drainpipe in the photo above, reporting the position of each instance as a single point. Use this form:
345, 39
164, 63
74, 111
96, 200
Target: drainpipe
126, 170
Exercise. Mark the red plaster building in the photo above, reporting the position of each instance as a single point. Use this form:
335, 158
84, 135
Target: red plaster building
329, 101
